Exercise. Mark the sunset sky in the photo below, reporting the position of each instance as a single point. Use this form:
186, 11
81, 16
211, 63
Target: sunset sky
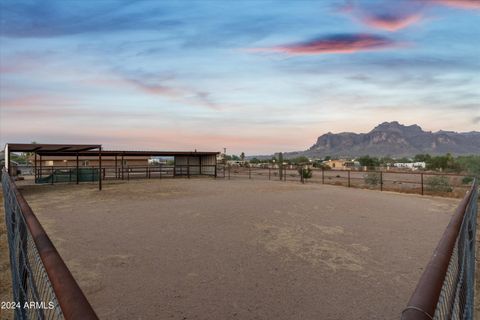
253, 76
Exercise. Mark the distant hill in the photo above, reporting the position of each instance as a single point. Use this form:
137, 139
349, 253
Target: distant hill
393, 139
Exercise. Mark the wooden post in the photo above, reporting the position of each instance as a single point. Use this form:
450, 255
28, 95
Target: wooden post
249, 172
52, 173
228, 172
323, 175
349, 178
188, 167
269, 173
116, 171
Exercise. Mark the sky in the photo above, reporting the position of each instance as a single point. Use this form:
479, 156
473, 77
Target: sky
251, 76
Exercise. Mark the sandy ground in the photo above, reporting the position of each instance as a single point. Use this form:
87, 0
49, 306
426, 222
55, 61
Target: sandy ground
217, 249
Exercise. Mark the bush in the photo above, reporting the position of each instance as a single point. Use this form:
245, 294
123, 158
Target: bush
306, 172
372, 179
467, 180
438, 184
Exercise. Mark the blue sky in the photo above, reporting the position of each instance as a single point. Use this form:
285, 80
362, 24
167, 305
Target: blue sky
253, 76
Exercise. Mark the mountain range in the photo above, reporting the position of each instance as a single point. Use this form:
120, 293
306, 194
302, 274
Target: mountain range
392, 139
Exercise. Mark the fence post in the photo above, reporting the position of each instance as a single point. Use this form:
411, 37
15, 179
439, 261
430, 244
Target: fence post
323, 175
349, 178
53, 174
381, 181
421, 180
228, 172
302, 179
269, 173
249, 172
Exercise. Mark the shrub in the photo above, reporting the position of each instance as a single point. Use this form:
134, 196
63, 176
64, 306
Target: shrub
306, 172
467, 180
372, 179
438, 184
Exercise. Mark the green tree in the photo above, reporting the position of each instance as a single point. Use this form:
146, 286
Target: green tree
367, 161
242, 156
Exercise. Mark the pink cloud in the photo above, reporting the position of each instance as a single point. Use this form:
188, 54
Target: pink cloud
343, 43
390, 22
462, 4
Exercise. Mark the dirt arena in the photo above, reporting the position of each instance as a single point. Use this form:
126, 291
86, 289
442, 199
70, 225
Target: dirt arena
239, 249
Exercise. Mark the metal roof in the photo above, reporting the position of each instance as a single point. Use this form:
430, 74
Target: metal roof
87, 150
50, 148
135, 153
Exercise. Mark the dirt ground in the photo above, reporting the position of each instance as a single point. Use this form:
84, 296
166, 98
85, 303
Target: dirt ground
219, 249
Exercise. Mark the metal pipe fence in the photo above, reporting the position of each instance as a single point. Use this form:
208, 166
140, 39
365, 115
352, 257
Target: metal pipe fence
64, 174
424, 183
446, 287
43, 287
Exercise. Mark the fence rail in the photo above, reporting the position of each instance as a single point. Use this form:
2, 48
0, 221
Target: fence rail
43, 287
425, 183
446, 288
70, 174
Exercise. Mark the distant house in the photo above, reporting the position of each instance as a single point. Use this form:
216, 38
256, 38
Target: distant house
410, 165
342, 164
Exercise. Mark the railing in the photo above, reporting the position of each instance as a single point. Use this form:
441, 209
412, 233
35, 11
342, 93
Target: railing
446, 287
70, 174
425, 183
43, 287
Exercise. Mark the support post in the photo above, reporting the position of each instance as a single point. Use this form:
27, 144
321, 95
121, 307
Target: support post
116, 171
249, 172
215, 169
188, 167
381, 181
100, 168
323, 175
200, 169
349, 178
421, 180
228, 172
52, 172
40, 173
35, 168
121, 166
78, 173
10, 172
160, 170
269, 173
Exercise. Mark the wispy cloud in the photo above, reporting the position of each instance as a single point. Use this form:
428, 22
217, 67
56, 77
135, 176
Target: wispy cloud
461, 4
52, 19
339, 43
389, 21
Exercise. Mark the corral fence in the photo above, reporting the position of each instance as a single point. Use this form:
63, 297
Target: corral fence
43, 287
70, 174
424, 183
446, 287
